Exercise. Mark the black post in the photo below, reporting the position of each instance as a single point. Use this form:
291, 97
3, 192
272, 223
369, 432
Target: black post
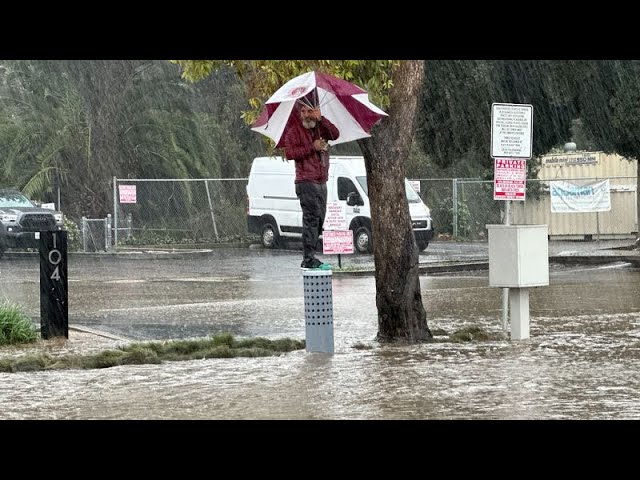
54, 305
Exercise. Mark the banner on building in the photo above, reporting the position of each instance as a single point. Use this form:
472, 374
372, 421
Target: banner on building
567, 197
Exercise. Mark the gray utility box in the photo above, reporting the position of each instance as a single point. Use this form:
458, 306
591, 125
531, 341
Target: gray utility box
518, 256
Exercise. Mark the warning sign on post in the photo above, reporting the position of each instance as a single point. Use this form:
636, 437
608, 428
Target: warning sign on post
337, 241
510, 179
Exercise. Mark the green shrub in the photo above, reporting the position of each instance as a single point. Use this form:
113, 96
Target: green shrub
15, 325
73, 235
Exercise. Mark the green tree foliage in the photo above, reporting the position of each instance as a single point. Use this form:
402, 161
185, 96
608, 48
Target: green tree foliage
263, 77
76, 124
454, 120
607, 98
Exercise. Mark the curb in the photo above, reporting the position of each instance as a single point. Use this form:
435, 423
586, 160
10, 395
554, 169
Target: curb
452, 266
461, 266
594, 259
99, 333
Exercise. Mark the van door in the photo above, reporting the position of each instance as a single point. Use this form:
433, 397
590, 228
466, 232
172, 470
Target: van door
345, 186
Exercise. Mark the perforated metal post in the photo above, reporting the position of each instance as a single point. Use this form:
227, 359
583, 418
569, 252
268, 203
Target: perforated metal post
318, 310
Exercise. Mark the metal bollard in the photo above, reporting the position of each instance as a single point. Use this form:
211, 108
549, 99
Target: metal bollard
318, 310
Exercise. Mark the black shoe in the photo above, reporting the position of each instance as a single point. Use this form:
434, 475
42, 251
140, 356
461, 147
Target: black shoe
313, 263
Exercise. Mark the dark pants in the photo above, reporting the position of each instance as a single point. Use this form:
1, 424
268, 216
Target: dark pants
313, 201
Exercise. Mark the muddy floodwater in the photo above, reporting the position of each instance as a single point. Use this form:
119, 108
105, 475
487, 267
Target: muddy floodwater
582, 360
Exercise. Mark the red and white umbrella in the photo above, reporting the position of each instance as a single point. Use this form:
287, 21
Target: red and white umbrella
346, 105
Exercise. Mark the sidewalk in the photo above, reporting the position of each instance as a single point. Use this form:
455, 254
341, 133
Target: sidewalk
81, 341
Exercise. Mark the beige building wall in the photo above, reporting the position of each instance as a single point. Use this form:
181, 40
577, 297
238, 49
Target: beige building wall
620, 222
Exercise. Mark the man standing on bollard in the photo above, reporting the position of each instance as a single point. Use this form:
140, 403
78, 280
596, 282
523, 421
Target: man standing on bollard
306, 142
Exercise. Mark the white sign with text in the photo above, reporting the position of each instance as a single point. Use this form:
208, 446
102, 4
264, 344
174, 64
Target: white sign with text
336, 217
511, 130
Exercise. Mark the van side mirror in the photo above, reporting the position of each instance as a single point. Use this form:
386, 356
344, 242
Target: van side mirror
353, 199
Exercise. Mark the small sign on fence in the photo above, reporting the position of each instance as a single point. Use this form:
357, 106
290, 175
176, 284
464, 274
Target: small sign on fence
127, 193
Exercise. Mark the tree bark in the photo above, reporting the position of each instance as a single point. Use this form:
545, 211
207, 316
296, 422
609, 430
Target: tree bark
401, 314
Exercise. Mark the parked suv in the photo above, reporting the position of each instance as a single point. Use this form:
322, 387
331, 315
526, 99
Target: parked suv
21, 221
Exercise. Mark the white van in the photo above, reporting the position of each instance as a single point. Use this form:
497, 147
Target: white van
274, 213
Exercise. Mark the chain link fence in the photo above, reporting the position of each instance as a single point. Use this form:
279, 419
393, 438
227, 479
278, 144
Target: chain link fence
200, 211
461, 207
179, 211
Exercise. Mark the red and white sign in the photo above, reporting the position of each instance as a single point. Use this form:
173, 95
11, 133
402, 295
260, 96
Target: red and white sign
510, 179
337, 241
127, 193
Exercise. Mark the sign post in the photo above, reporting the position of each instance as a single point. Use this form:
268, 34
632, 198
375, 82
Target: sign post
54, 305
511, 146
336, 237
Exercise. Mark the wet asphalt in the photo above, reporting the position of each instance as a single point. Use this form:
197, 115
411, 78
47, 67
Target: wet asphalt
248, 290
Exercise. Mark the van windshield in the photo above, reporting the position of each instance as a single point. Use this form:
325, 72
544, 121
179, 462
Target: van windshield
412, 195
363, 184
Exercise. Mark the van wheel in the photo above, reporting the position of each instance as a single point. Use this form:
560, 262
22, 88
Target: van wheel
362, 240
422, 245
269, 236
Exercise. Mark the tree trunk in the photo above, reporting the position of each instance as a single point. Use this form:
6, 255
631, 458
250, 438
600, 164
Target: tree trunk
401, 315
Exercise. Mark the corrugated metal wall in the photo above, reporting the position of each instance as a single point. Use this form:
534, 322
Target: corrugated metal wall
621, 220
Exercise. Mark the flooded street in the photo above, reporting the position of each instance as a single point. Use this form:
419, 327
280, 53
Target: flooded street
581, 362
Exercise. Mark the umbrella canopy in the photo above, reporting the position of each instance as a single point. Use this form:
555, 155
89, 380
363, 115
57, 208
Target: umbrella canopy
346, 105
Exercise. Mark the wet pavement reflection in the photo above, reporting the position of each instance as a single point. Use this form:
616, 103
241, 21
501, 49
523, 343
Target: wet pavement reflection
581, 362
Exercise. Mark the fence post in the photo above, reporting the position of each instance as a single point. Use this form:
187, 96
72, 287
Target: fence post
213, 218
455, 207
107, 233
129, 225
84, 234
115, 213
